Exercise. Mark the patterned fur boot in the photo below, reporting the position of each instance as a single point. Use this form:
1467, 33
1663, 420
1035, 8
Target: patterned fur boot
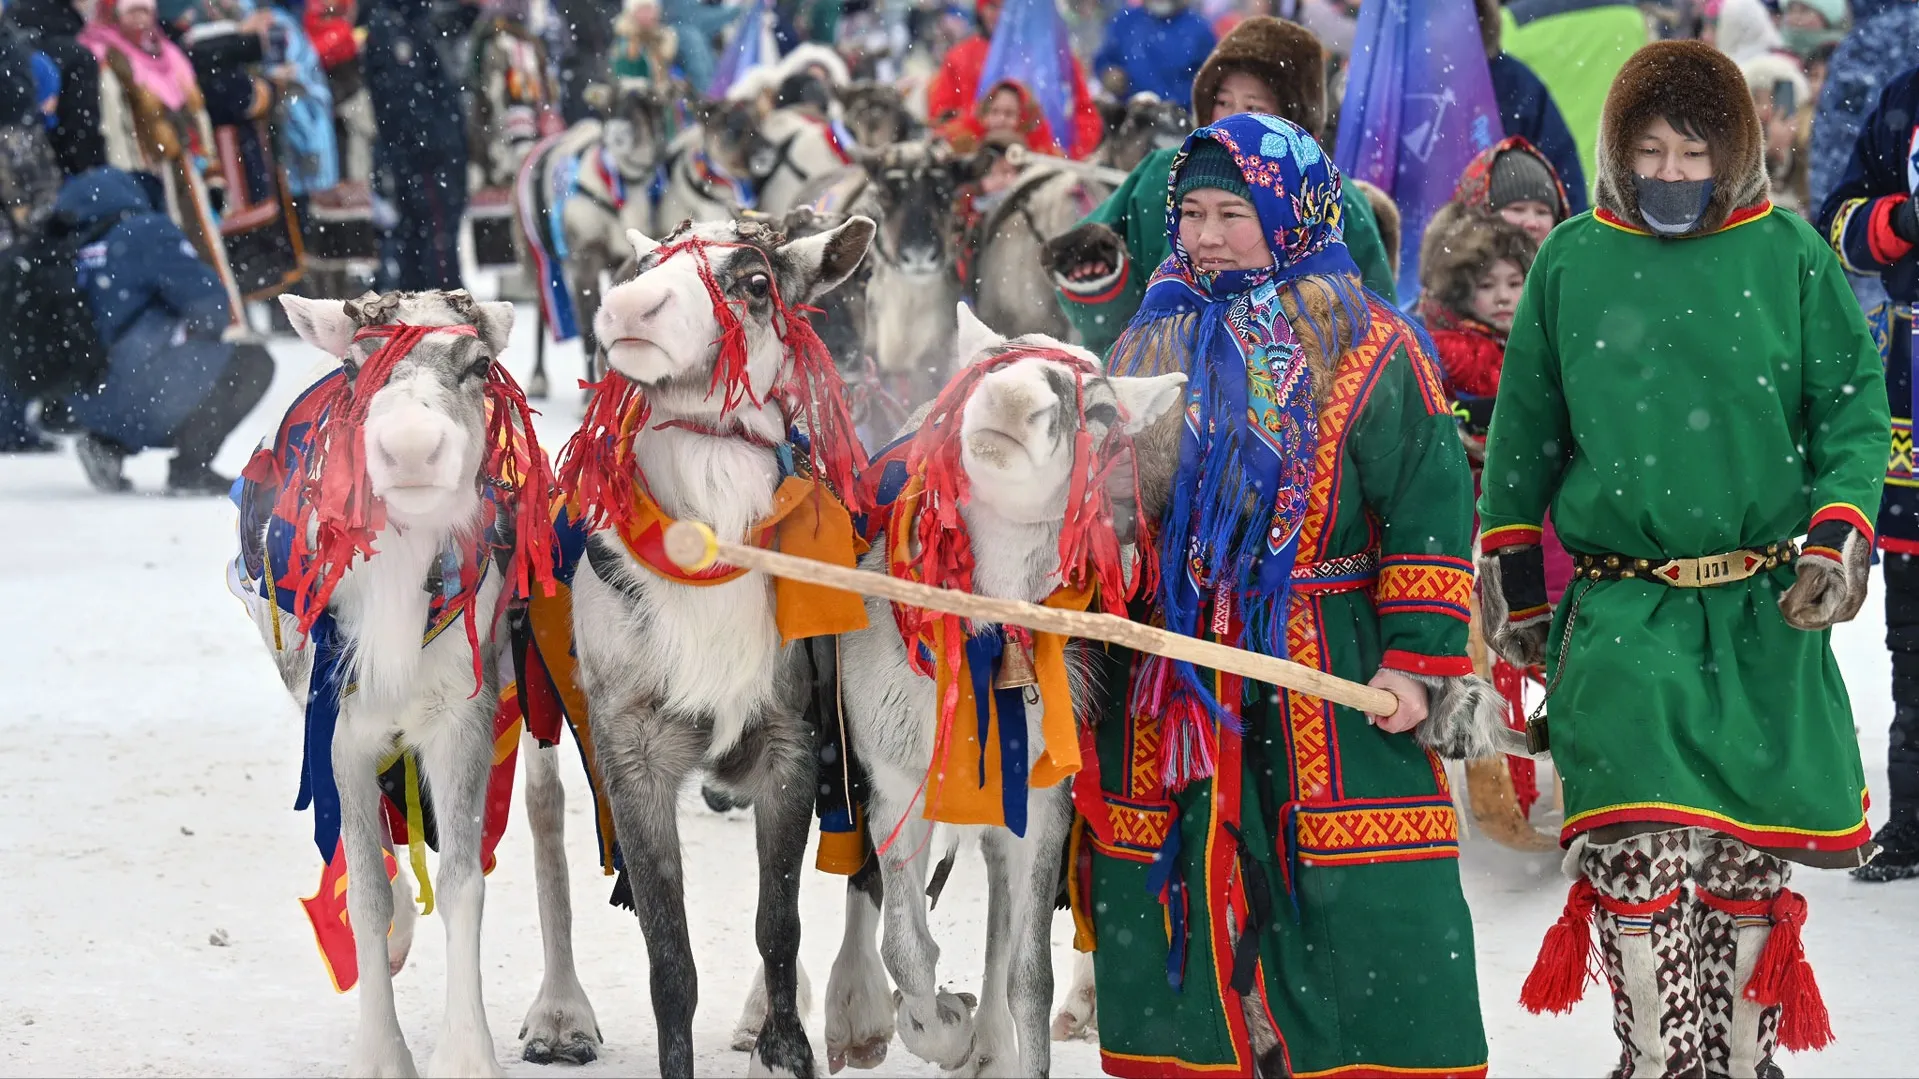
1756, 990
1642, 909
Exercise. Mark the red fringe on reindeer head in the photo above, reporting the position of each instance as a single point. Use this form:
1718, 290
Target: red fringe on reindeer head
1088, 545
330, 495
597, 466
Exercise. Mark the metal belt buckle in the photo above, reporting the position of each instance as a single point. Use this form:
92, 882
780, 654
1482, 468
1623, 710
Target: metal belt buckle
1709, 571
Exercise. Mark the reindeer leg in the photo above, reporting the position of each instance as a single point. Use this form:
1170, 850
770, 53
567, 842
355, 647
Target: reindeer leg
774, 763
399, 939
1030, 980
859, 1012
645, 755
560, 1026
457, 759
995, 1042
1079, 1016
379, 1049
935, 1026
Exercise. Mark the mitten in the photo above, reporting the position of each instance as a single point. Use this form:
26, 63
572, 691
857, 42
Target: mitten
1086, 260
1512, 603
1834, 567
1905, 219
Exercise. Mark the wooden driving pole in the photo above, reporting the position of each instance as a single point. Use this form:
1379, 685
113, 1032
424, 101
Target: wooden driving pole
693, 547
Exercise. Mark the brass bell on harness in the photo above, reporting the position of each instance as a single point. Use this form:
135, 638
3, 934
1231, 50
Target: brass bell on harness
1015, 667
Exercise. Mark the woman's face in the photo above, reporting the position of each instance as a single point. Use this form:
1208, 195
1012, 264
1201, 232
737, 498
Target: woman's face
1532, 215
1240, 92
1664, 154
1222, 232
136, 21
1802, 17
1496, 294
1002, 113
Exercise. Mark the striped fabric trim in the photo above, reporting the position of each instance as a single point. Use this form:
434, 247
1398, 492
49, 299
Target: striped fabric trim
1425, 584
1398, 659
1836, 236
1508, 536
1843, 511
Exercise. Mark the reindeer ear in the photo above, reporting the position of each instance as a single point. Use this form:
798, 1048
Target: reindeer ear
830, 257
324, 324
642, 246
495, 323
1147, 399
974, 336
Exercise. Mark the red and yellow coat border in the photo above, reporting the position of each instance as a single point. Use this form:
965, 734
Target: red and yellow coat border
1757, 835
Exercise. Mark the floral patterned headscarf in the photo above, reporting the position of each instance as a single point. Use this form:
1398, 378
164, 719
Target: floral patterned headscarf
1252, 424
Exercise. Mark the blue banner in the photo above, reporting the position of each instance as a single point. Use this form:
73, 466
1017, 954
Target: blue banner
1030, 46
1419, 105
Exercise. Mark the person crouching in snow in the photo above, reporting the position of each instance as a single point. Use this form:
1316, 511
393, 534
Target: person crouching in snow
1688, 385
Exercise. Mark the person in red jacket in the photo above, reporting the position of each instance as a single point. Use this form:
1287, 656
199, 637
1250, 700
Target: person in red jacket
951, 94
1472, 267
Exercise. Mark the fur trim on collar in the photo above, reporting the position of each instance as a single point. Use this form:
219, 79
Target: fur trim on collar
1284, 55
1691, 84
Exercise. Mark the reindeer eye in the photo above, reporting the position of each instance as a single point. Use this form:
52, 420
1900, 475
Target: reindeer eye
757, 286
1103, 414
478, 368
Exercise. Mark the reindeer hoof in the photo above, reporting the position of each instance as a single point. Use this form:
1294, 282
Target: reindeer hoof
578, 1048
744, 1040
945, 1038
864, 1056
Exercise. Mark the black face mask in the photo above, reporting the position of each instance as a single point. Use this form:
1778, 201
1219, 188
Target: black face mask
1672, 207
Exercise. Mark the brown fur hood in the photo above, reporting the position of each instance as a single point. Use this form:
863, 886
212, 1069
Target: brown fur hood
1693, 85
1461, 244
1284, 55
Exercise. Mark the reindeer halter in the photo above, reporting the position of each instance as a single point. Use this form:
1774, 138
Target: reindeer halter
598, 468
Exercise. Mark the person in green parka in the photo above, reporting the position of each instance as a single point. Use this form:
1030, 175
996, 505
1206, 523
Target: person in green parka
1273, 883
1264, 65
1688, 386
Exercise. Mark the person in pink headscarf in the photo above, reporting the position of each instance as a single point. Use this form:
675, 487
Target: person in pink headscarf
155, 120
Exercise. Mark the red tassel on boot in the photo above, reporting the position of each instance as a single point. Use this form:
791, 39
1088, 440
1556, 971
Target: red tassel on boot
1783, 977
1559, 975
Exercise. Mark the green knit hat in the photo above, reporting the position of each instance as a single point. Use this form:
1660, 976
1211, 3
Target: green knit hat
1211, 165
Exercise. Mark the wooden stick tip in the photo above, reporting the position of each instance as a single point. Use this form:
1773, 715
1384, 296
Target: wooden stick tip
691, 545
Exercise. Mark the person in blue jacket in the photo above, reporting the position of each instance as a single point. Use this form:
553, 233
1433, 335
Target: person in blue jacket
1872, 219
1154, 48
1527, 109
159, 312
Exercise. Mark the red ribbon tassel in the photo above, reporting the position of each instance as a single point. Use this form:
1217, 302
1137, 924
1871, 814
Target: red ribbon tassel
1559, 975
1783, 977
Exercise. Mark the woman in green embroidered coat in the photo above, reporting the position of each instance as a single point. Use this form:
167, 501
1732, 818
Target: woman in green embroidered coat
1688, 386
1265, 65
1274, 886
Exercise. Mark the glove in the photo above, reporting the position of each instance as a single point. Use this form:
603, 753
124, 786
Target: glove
1834, 567
1512, 603
1085, 259
1905, 219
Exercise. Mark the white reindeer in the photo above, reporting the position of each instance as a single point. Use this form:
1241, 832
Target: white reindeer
423, 440
682, 678
1018, 432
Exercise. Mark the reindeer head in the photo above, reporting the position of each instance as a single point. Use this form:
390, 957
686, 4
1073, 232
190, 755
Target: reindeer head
1021, 421
635, 129
730, 135
425, 430
1143, 124
660, 326
916, 183
876, 114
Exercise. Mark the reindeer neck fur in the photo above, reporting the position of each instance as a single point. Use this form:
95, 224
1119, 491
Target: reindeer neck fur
725, 483
381, 605
911, 323
1011, 559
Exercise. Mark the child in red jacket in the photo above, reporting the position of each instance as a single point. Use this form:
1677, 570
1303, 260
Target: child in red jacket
1472, 267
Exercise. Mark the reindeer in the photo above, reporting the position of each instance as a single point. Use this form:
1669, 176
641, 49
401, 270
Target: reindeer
436, 504
592, 183
876, 114
1017, 429
682, 678
713, 166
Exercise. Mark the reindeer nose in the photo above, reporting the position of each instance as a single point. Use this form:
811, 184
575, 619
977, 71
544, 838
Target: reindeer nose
411, 448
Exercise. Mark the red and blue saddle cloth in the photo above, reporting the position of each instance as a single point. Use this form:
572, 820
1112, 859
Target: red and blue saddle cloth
264, 558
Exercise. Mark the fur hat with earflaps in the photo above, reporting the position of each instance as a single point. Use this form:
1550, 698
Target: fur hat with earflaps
1697, 89
1283, 55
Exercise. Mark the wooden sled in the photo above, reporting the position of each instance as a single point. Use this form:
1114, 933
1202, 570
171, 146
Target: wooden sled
1490, 792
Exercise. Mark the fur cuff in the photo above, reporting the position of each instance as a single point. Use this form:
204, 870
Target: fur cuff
1465, 718
1835, 568
1515, 575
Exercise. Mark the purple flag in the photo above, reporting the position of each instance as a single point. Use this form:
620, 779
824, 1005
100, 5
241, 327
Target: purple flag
1030, 46
1419, 105
745, 50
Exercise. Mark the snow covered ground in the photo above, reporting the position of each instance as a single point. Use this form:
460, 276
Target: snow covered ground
149, 759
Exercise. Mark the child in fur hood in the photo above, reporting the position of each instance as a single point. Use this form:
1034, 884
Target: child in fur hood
1472, 267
